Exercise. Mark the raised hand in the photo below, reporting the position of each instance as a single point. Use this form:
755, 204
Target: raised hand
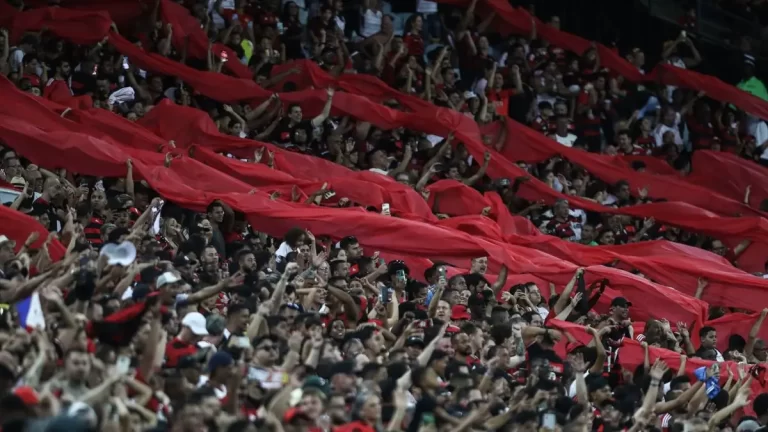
578, 364
658, 370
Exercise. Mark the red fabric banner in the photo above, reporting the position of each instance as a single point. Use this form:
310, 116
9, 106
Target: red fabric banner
97, 143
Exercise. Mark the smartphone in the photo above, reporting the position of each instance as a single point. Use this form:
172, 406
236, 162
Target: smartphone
504, 182
384, 295
441, 271
329, 194
95, 70
549, 421
385, 208
126, 65
401, 274
123, 364
224, 56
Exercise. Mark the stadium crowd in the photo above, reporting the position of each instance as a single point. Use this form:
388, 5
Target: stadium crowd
129, 307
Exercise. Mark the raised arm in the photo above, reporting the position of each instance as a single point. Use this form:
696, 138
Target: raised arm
481, 172
565, 297
317, 121
749, 349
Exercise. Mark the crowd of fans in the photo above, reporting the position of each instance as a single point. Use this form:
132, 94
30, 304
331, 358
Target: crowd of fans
162, 318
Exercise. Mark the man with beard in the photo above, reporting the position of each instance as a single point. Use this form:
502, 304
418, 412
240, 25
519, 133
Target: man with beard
462, 348
186, 268
246, 263
210, 265
221, 218
60, 86
352, 247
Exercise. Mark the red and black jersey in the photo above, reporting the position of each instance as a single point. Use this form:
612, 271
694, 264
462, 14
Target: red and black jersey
93, 231
566, 229
648, 143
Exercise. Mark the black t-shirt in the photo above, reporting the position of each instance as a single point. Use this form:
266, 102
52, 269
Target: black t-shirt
283, 133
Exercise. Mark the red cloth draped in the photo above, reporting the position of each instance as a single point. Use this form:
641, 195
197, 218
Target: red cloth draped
96, 142
17, 226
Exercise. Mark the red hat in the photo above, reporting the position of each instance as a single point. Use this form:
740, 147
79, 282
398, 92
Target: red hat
459, 312
27, 394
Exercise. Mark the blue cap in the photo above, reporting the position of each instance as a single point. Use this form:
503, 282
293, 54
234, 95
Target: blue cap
219, 360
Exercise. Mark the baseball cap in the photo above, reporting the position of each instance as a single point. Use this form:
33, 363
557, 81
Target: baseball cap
415, 341
196, 322
317, 383
621, 302
183, 260
219, 360
167, 278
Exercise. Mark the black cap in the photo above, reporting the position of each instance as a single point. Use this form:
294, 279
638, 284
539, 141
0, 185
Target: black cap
182, 260
415, 341
621, 302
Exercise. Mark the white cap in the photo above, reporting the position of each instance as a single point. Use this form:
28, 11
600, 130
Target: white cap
167, 278
196, 322
5, 239
123, 254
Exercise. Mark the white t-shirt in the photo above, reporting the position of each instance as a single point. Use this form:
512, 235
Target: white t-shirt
661, 129
759, 130
567, 140
283, 250
371, 22
378, 171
